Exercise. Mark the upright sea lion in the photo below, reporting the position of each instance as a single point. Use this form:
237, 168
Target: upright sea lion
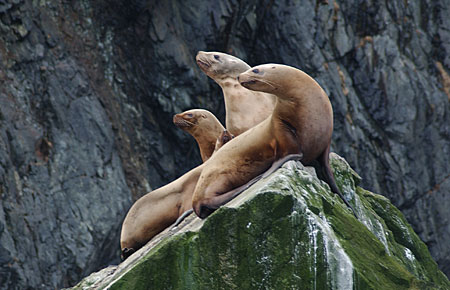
301, 123
203, 126
242, 111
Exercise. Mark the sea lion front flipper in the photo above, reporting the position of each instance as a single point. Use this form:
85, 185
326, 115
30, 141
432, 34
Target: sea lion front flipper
216, 202
126, 252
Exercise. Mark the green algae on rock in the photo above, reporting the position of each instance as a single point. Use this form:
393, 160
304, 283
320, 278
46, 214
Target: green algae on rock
287, 231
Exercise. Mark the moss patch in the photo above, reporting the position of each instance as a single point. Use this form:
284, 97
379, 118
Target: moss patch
294, 234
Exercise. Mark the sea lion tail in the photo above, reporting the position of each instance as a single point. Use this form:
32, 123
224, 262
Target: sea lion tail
328, 177
126, 252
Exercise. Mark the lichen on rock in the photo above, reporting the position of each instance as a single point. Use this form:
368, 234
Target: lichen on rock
288, 231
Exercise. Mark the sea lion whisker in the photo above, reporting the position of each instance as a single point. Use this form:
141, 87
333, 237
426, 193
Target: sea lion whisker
184, 123
268, 83
188, 122
204, 63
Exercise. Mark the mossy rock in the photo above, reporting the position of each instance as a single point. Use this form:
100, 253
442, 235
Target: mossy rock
289, 232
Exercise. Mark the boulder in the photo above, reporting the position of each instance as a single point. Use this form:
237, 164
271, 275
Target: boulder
287, 231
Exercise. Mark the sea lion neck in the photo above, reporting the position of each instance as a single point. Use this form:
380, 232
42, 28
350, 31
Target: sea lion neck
227, 82
206, 138
244, 108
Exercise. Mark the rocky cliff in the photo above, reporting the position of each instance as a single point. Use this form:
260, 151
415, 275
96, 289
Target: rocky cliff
287, 231
88, 89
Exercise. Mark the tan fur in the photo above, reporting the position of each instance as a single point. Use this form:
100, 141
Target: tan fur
157, 210
301, 123
203, 126
244, 108
160, 208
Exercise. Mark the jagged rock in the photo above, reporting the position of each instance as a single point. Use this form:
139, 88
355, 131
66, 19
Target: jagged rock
88, 90
288, 231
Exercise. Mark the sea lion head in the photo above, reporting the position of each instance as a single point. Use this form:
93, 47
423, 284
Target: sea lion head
267, 78
286, 82
192, 120
218, 65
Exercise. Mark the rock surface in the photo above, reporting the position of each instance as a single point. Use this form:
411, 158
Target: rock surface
88, 90
285, 232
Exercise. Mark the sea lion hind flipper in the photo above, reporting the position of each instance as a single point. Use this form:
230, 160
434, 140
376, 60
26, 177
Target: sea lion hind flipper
126, 252
326, 175
182, 217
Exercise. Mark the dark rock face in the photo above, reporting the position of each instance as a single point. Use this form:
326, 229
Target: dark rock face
88, 90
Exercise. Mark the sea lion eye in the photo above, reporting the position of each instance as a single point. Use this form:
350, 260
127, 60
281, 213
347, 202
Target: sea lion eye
255, 70
189, 115
216, 56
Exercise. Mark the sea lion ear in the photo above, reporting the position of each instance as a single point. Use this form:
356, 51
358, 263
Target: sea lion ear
204, 116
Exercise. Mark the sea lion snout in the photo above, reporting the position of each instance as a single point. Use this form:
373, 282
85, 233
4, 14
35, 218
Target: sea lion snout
242, 78
247, 84
202, 60
181, 122
178, 121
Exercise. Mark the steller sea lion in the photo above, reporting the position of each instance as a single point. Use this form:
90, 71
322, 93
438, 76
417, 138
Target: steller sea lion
157, 210
170, 204
242, 111
204, 127
301, 124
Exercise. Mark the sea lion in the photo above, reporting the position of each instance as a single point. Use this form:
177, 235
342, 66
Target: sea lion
171, 203
242, 111
301, 123
204, 127
157, 210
